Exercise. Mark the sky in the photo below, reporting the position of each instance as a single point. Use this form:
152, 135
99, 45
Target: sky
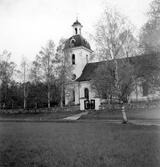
27, 25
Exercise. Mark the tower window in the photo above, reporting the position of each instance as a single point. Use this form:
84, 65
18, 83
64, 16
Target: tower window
72, 42
86, 58
73, 95
76, 31
73, 76
86, 93
73, 59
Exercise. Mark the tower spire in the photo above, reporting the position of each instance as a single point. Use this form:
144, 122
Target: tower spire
77, 27
77, 17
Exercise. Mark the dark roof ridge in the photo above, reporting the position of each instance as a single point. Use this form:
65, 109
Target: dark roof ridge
76, 22
78, 40
90, 68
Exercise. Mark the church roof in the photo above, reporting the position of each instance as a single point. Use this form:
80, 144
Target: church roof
76, 41
89, 70
76, 23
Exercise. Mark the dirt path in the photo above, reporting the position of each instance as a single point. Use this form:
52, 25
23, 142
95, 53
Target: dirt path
75, 117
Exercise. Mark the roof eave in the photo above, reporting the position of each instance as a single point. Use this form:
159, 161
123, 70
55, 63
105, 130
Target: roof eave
83, 80
79, 47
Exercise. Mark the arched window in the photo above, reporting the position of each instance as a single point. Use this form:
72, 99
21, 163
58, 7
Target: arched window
86, 58
73, 95
73, 58
86, 93
76, 31
72, 42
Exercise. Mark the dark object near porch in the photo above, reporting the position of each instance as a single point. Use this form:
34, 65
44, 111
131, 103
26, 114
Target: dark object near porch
86, 104
92, 104
89, 104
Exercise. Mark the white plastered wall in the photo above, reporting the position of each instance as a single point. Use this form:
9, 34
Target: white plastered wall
68, 94
82, 56
137, 94
80, 59
86, 84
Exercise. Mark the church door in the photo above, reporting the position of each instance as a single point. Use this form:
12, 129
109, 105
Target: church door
86, 93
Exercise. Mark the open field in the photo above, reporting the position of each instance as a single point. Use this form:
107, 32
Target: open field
136, 114
78, 144
49, 116
132, 114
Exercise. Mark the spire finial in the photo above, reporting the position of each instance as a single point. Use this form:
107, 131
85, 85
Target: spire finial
77, 17
77, 26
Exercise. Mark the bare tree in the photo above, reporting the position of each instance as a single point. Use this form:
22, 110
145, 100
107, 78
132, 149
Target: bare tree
35, 71
149, 41
24, 74
114, 36
7, 69
36, 78
47, 59
114, 39
150, 32
64, 67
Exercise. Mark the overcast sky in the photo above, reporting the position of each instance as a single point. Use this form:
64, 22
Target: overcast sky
26, 25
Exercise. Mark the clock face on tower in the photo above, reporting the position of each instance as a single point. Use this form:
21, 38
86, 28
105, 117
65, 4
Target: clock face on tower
73, 76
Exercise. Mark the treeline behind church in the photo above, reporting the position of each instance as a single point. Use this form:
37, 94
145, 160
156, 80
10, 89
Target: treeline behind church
12, 95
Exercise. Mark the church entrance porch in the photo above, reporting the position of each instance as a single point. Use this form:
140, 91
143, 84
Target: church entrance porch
93, 104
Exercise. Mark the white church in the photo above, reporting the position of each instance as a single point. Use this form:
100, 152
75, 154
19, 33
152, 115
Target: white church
80, 89
79, 54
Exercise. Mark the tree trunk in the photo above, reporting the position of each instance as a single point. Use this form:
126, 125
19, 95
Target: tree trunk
24, 87
5, 96
35, 102
61, 102
12, 103
24, 98
0, 98
124, 115
109, 99
49, 96
136, 92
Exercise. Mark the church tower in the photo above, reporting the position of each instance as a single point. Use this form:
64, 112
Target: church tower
77, 26
79, 52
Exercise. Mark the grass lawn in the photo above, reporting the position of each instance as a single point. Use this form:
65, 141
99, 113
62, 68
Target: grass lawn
39, 116
79, 144
153, 113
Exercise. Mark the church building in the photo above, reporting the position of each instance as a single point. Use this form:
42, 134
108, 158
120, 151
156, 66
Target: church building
80, 88
79, 54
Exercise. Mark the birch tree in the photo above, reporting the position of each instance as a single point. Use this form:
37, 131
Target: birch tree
35, 71
24, 74
150, 32
64, 67
114, 40
36, 80
47, 59
150, 43
7, 69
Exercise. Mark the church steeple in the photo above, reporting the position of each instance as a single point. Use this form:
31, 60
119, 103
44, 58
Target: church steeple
77, 26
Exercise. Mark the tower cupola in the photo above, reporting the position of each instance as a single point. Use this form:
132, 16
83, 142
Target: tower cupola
77, 26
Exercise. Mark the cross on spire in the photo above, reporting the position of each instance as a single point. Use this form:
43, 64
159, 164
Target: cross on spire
77, 17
